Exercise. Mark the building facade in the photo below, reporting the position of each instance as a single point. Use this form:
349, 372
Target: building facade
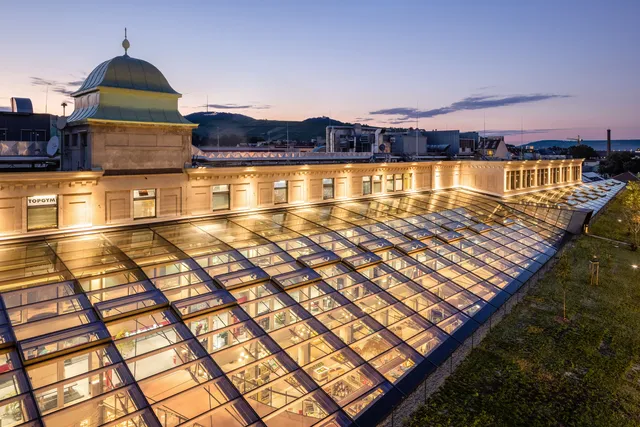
139, 289
85, 199
493, 147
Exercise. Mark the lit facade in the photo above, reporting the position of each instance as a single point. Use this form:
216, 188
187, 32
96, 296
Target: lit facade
145, 292
90, 199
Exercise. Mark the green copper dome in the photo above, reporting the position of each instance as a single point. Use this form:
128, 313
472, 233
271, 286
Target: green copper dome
125, 72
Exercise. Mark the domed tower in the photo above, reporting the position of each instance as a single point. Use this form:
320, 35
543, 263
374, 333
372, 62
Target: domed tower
126, 120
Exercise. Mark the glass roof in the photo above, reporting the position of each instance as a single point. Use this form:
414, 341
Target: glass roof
324, 315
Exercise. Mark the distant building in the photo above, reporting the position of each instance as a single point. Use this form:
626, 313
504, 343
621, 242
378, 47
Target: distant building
591, 176
27, 127
407, 143
24, 136
354, 139
468, 143
626, 177
493, 147
591, 165
374, 140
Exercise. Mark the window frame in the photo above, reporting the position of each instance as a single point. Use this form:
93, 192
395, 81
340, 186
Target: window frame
35, 208
393, 183
397, 180
143, 198
286, 191
227, 192
370, 181
373, 184
407, 181
325, 185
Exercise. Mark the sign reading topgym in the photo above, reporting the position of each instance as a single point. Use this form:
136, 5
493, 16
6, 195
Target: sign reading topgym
42, 200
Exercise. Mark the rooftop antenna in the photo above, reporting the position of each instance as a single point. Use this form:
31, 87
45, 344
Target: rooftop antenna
46, 100
125, 43
287, 136
484, 115
417, 125
521, 137
207, 103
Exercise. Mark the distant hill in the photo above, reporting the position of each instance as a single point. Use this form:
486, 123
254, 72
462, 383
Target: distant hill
234, 129
598, 145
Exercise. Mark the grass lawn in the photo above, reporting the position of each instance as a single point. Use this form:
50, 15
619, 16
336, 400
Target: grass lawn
534, 369
612, 223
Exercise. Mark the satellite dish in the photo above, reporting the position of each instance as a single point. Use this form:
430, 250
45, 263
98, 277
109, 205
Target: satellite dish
61, 123
52, 146
382, 147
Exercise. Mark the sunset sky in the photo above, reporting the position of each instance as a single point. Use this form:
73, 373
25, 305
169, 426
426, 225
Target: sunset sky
556, 68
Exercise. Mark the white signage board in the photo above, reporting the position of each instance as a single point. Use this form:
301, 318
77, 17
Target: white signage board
42, 200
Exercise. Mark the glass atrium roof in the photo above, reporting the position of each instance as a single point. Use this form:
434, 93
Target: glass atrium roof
592, 195
323, 315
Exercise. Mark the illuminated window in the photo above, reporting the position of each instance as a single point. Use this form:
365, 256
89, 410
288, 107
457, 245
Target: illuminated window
42, 212
389, 183
144, 203
327, 189
366, 185
220, 197
280, 195
398, 182
377, 184
408, 179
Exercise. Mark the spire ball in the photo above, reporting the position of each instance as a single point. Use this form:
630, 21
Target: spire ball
125, 43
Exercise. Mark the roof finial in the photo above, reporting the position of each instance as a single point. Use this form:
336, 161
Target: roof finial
125, 43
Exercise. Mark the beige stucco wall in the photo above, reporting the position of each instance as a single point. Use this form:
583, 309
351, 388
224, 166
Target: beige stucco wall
91, 199
118, 147
535, 165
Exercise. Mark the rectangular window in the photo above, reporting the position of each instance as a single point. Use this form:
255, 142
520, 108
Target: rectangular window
526, 179
327, 188
377, 184
144, 203
546, 176
389, 183
366, 185
408, 180
42, 212
220, 197
517, 180
576, 173
398, 179
280, 192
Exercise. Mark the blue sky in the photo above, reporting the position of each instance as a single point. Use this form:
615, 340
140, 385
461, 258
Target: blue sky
556, 68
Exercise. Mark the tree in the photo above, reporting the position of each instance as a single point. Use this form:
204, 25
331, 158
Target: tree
632, 165
631, 212
563, 275
582, 152
614, 163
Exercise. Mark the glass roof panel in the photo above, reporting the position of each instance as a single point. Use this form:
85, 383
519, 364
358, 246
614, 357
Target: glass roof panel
309, 314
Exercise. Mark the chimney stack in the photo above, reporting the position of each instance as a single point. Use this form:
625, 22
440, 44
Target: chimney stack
608, 141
